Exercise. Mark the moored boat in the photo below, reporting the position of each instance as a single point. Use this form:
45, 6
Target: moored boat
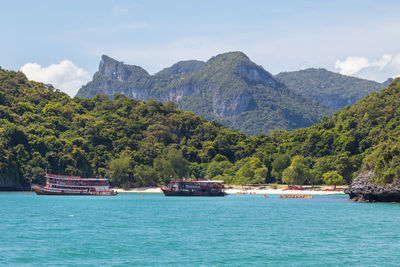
195, 188
74, 185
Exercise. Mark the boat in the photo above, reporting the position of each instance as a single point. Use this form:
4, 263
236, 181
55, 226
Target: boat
74, 185
194, 188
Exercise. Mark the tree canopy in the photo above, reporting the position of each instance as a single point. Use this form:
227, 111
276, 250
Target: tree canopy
137, 143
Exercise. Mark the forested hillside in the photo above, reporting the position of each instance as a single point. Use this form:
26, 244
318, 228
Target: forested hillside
329, 88
133, 142
363, 137
138, 143
229, 88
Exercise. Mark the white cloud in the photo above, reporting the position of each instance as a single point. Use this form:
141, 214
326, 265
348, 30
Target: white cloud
65, 75
351, 65
388, 66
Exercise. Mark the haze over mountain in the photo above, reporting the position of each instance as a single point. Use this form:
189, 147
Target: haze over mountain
229, 88
329, 88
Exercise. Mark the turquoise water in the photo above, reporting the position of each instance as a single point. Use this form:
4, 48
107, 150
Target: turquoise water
153, 230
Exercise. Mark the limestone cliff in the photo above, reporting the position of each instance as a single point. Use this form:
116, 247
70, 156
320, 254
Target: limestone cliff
229, 88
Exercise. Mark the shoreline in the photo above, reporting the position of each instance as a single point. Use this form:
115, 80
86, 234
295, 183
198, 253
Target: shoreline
234, 191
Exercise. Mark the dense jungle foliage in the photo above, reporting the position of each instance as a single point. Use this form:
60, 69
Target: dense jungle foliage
137, 143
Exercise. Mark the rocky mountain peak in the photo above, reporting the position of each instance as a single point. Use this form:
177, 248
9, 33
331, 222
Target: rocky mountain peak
116, 70
240, 65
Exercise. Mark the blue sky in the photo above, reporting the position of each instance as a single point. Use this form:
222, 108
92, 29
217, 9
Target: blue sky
62, 41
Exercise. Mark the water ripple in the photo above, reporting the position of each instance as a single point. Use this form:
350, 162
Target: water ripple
129, 230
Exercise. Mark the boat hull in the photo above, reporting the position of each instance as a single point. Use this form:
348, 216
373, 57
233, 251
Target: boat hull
172, 193
39, 190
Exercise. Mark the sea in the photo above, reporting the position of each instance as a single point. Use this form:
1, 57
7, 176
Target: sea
236, 230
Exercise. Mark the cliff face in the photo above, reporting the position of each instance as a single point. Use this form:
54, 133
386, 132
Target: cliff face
116, 70
116, 77
229, 88
8, 183
362, 189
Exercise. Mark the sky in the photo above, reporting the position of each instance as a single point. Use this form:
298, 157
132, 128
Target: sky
61, 42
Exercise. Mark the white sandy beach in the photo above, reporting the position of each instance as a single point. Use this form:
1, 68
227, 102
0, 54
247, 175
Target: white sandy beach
139, 190
240, 191
282, 192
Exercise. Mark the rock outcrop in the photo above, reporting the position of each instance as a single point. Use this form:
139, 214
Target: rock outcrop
8, 183
362, 189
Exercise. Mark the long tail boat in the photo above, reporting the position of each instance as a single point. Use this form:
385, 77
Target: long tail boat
195, 188
73, 185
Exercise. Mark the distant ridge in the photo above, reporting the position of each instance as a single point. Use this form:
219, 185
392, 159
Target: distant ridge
329, 88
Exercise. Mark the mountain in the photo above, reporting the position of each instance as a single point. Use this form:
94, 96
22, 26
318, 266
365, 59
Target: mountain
229, 88
329, 88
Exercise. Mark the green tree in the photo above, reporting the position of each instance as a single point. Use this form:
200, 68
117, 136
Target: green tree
244, 175
251, 172
197, 170
121, 170
289, 176
333, 178
145, 175
171, 163
297, 173
34, 175
321, 166
280, 163
214, 169
260, 175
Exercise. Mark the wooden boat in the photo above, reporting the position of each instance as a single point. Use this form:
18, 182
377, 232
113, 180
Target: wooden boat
74, 185
195, 188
